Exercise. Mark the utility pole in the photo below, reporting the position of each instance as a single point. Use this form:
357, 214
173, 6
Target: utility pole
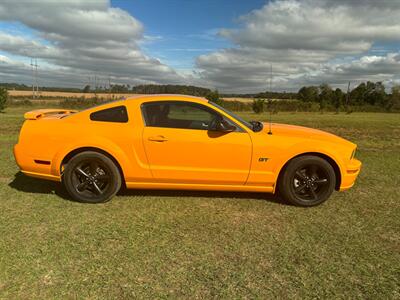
36, 78
348, 95
109, 86
35, 86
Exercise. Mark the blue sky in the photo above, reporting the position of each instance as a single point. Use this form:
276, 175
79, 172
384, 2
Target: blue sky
185, 29
228, 45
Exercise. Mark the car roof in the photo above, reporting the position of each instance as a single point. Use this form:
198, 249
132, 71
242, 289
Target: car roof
156, 97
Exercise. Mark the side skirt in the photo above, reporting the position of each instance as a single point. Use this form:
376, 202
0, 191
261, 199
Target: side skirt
200, 187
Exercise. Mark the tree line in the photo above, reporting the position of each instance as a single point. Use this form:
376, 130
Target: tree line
368, 93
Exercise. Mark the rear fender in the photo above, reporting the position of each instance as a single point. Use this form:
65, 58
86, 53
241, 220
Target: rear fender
95, 142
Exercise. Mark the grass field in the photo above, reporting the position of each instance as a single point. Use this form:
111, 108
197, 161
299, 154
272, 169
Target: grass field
177, 244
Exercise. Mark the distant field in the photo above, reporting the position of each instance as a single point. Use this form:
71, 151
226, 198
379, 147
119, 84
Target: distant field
207, 245
28, 94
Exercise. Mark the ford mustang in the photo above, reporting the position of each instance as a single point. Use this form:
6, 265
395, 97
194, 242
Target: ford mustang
181, 142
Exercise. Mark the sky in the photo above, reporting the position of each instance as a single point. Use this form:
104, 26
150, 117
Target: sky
220, 44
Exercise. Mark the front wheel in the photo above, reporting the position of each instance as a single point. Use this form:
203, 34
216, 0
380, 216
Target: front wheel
307, 181
91, 177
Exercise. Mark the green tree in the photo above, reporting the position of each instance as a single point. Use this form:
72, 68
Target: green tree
214, 97
308, 94
394, 99
325, 96
369, 93
357, 95
258, 106
3, 98
86, 89
338, 98
376, 94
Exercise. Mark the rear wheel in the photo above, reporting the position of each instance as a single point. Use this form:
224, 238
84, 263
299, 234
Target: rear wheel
307, 181
91, 177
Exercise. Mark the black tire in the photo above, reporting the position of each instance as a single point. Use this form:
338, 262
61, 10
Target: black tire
307, 181
91, 177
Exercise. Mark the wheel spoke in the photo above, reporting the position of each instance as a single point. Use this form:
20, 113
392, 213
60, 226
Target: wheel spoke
97, 189
103, 177
82, 186
299, 174
80, 171
300, 188
321, 181
93, 167
313, 194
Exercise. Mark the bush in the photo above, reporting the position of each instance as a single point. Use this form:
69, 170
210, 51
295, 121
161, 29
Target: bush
76, 103
23, 102
3, 98
236, 105
258, 106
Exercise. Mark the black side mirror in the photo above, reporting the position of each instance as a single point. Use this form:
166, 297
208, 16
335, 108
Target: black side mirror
224, 126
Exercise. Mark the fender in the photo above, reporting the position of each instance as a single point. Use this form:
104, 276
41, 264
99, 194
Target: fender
303, 149
95, 142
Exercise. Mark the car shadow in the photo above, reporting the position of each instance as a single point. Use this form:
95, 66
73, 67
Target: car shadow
28, 184
202, 194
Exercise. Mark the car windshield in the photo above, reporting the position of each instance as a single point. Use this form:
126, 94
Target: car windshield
236, 117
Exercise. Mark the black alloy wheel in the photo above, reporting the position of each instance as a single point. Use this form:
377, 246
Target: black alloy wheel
307, 181
91, 177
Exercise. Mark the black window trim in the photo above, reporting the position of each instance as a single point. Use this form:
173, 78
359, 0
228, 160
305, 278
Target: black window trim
205, 107
92, 115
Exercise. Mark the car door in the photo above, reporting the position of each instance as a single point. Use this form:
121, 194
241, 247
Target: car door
181, 148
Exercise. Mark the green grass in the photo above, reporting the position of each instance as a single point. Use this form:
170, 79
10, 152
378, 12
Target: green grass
207, 245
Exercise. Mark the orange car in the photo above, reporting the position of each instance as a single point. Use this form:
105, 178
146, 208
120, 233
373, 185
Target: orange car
181, 142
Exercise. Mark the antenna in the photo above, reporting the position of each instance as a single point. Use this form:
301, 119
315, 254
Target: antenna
270, 101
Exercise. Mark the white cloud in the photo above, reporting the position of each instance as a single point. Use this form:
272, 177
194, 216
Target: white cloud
84, 37
306, 42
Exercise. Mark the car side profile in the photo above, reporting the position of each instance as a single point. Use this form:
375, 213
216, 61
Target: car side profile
181, 142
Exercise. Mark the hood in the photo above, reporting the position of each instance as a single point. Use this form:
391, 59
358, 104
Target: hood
303, 132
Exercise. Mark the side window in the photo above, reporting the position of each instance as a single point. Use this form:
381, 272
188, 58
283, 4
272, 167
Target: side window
116, 114
175, 114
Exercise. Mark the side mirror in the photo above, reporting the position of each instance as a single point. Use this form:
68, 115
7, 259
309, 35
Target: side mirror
224, 126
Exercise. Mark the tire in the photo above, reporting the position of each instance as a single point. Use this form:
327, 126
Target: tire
307, 181
91, 177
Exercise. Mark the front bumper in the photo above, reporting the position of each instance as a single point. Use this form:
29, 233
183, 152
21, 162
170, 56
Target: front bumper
350, 174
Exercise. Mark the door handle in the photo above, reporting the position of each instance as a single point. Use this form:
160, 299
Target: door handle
158, 138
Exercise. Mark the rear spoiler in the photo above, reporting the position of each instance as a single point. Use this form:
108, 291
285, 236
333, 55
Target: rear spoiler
39, 113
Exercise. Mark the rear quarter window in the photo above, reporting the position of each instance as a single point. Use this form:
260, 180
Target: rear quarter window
116, 114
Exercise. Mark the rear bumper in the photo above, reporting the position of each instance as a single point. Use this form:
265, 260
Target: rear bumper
29, 167
350, 174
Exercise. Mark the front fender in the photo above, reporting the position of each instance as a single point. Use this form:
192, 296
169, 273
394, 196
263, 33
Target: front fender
304, 148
